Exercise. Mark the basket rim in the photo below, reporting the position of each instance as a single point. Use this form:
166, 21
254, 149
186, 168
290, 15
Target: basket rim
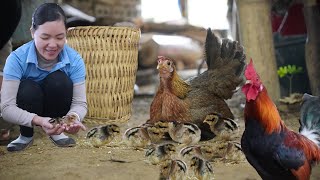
103, 27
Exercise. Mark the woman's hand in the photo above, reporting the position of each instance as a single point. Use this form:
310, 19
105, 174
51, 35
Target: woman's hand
47, 127
74, 127
72, 123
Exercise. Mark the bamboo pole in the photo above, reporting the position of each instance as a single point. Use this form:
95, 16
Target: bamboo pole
312, 49
256, 36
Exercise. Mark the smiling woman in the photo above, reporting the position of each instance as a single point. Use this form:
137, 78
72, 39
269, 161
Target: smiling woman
49, 39
44, 79
49, 32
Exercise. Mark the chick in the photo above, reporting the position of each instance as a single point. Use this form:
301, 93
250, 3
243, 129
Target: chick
225, 151
220, 125
232, 152
137, 137
201, 168
158, 132
159, 153
173, 170
206, 152
101, 135
184, 133
189, 151
68, 120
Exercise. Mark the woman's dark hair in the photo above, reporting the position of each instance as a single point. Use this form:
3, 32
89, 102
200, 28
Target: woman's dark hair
47, 12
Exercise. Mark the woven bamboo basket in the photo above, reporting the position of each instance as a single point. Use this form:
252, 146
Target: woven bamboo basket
111, 58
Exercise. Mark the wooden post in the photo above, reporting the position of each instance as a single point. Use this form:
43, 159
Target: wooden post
256, 36
312, 49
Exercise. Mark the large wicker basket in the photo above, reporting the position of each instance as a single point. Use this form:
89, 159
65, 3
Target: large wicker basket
111, 58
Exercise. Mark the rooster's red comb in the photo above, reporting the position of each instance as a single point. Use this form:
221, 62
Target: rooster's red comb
250, 73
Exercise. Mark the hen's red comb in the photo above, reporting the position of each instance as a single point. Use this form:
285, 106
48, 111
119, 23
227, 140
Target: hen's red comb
161, 58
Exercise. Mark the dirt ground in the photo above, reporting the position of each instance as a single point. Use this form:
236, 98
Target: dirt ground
117, 161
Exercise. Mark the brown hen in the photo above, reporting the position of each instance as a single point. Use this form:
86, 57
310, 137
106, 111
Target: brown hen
192, 100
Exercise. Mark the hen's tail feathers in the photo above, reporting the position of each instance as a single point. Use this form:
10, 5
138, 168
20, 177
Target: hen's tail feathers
226, 62
219, 53
310, 118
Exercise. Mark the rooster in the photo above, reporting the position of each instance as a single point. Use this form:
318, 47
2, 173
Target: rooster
275, 151
192, 100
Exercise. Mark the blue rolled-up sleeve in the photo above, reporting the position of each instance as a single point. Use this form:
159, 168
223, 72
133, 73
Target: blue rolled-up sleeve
13, 68
78, 70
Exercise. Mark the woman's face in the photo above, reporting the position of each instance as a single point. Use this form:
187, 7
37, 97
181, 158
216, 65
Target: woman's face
49, 39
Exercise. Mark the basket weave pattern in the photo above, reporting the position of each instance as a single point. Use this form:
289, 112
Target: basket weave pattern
111, 58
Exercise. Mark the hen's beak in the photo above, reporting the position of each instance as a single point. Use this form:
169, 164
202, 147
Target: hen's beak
160, 66
164, 69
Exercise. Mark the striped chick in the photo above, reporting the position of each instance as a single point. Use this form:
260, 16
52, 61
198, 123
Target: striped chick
137, 137
102, 135
184, 133
173, 170
161, 152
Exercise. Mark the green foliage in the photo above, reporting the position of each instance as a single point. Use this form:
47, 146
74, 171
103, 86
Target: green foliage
289, 70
